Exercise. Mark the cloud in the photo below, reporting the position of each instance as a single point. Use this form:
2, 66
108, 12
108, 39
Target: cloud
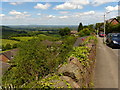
63, 17
100, 2
13, 12
63, 12
67, 5
111, 8
39, 14
1, 15
84, 13
15, 3
80, 2
50, 16
19, 14
42, 6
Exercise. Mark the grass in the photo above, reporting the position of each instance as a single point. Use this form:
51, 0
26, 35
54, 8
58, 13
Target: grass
22, 38
6, 41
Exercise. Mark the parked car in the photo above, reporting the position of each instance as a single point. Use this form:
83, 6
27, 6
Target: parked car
113, 39
101, 34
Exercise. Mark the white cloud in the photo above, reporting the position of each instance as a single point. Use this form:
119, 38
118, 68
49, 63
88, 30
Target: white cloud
15, 3
100, 2
1, 15
80, 2
111, 8
63, 12
68, 5
89, 13
84, 13
63, 17
13, 12
19, 14
50, 16
42, 6
39, 14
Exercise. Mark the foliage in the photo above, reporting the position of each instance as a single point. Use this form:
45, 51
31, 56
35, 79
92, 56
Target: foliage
88, 39
15, 46
91, 27
99, 26
80, 27
7, 32
81, 53
8, 44
84, 32
108, 27
35, 60
64, 31
118, 18
112, 28
22, 38
7, 41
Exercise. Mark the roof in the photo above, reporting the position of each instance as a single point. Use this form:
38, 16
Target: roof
4, 67
111, 20
9, 54
74, 32
49, 43
3, 58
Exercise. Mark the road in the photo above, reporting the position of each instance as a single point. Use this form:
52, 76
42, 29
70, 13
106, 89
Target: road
106, 71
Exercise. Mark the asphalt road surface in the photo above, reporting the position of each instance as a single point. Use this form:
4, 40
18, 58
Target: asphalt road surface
106, 71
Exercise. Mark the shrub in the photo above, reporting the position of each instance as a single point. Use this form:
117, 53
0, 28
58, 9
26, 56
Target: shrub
8, 46
84, 32
64, 31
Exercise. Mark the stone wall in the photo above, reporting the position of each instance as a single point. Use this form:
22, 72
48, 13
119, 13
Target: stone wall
73, 74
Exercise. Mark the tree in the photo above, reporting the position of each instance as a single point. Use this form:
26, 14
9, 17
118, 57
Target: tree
15, 45
80, 27
35, 60
64, 31
99, 26
8, 46
84, 32
3, 47
118, 18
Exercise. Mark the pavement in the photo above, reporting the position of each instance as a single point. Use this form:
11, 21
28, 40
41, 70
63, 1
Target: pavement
79, 41
106, 71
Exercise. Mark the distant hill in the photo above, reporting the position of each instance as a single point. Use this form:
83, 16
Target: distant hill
8, 32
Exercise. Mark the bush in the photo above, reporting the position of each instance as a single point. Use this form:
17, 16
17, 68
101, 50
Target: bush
8, 46
64, 31
15, 46
84, 32
35, 60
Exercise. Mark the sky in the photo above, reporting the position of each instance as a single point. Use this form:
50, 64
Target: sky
56, 12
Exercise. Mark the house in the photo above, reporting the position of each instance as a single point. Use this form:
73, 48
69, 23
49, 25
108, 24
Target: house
3, 58
73, 32
8, 55
113, 21
4, 67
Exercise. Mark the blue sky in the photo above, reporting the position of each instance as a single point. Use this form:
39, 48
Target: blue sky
57, 13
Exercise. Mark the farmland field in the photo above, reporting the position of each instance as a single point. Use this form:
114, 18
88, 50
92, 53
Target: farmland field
6, 41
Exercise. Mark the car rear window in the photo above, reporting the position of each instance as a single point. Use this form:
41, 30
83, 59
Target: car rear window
116, 36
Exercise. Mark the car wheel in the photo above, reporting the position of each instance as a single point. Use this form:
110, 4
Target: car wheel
111, 45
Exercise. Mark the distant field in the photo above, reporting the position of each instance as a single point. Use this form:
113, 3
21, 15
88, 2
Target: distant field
22, 38
6, 41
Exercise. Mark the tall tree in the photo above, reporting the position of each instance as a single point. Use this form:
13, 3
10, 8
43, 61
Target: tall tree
64, 31
80, 27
